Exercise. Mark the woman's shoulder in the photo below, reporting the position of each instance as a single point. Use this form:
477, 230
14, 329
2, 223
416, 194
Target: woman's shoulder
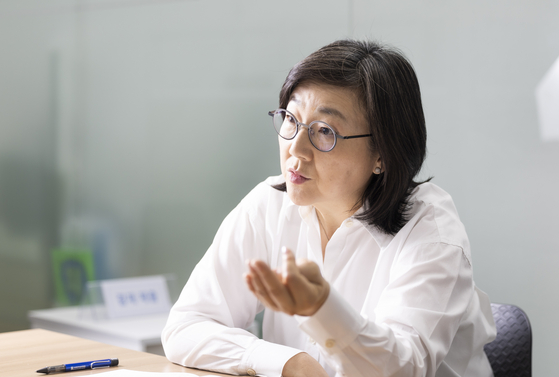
429, 192
430, 197
264, 197
433, 217
265, 190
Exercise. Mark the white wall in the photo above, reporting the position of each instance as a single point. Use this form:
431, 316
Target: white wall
145, 121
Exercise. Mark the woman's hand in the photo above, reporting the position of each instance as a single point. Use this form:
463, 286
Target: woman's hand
303, 365
296, 288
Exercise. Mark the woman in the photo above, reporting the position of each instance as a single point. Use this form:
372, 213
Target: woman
361, 270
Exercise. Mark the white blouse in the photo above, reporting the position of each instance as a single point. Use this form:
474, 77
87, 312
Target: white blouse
403, 305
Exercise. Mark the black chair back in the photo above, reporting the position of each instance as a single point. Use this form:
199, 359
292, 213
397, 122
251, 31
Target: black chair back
510, 354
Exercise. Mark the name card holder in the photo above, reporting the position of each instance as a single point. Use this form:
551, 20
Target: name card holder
118, 298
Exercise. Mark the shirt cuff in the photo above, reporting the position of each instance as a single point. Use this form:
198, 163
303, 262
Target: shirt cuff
266, 359
335, 325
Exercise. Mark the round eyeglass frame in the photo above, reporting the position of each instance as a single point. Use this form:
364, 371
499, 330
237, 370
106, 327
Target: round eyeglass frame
273, 113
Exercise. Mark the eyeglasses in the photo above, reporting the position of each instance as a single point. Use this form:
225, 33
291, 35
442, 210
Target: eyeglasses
322, 136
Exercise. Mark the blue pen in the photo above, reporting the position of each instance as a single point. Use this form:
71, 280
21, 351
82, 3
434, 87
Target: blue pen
105, 363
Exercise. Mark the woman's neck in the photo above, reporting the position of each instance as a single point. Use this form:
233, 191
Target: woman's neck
331, 219
329, 222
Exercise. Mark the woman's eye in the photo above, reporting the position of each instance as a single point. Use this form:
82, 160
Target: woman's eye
325, 131
290, 119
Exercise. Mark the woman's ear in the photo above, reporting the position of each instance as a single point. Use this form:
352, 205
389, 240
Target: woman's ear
378, 166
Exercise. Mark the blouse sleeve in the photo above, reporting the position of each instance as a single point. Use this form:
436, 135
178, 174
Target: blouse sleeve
205, 326
412, 327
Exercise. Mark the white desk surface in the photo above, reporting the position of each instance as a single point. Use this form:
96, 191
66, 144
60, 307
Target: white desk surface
138, 332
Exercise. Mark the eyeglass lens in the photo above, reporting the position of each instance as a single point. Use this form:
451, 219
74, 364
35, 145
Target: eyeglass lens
321, 134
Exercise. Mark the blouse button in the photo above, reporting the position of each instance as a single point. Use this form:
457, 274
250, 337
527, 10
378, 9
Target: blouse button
330, 343
349, 223
311, 340
251, 372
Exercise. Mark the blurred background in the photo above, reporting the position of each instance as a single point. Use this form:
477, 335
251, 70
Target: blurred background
130, 128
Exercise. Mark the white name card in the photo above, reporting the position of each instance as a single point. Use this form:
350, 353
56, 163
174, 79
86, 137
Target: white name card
135, 296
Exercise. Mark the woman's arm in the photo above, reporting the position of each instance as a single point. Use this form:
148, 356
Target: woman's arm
205, 326
409, 331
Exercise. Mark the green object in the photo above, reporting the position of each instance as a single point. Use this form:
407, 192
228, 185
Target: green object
72, 269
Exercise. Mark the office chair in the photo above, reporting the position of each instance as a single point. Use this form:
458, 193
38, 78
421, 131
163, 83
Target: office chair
510, 354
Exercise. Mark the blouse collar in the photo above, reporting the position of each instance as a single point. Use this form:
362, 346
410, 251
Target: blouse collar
307, 214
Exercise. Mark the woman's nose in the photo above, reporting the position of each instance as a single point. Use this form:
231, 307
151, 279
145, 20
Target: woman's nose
301, 146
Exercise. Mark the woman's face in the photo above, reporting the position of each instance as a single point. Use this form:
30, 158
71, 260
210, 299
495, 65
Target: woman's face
330, 181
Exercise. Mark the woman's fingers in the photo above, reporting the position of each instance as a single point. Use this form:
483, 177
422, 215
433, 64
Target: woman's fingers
297, 284
297, 288
269, 286
277, 292
306, 284
258, 289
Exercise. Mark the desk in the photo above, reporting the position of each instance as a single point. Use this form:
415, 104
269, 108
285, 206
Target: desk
24, 352
141, 333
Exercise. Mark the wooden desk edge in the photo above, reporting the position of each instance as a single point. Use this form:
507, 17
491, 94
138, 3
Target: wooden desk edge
25, 351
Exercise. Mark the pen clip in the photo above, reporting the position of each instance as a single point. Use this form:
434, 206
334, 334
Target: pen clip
102, 364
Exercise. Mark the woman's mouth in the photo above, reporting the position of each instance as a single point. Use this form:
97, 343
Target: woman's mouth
296, 178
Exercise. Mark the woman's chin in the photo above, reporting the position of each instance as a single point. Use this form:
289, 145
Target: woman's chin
299, 197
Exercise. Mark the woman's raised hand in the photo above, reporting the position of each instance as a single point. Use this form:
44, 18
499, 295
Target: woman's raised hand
296, 288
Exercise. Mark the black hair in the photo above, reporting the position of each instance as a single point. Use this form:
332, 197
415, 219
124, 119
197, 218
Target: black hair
388, 89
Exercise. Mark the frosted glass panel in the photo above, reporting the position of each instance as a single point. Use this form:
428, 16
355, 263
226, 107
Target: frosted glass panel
131, 128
